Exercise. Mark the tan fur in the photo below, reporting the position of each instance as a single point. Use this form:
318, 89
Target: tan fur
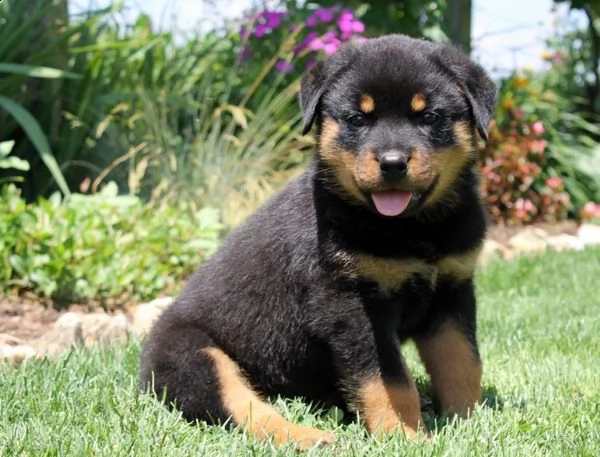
418, 102
461, 266
464, 136
340, 161
421, 172
391, 274
389, 408
367, 103
450, 162
249, 410
366, 170
454, 369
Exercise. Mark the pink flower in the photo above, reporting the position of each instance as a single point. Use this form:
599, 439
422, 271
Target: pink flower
590, 210
524, 208
306, 43
538, 128
538, 146
328, 43
554, 182
331, 47
518, 113
349, 25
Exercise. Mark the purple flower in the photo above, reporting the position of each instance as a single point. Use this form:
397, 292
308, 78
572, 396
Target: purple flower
331, 46
283, 66
272, 19
349, 25
328, 43
306, 43
321, 15
260, 30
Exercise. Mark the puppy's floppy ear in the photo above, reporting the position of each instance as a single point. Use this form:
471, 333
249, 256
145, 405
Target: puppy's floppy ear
476, 85
311, 91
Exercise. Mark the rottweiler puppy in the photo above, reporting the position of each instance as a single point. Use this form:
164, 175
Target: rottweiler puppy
375, 243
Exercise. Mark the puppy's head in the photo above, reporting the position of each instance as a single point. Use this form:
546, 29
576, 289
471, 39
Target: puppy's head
397, 119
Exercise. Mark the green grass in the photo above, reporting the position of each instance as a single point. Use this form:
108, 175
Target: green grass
539, 324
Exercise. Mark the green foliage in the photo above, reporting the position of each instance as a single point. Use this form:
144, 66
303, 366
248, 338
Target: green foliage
23, 27
161, 114
11, 162
412, 17
102, 245
574, 58
538, 334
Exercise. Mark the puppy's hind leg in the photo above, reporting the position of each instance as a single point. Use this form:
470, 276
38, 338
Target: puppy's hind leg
247, 408
183, 363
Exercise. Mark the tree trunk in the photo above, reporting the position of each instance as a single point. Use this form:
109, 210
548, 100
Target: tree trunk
457, 23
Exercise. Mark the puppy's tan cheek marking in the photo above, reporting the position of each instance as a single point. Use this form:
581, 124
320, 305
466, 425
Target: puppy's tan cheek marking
420, 171
389, 408
250, 411
450, 162
454, 368
342, 162
418, 102
366, 172
459, 267
367, 103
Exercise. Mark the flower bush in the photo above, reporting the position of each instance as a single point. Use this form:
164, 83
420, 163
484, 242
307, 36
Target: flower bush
528, 167
309, 34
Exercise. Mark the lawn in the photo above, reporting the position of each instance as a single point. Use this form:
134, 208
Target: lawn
540, 342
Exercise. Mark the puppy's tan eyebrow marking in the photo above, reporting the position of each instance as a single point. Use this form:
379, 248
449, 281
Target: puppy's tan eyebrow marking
367, 103
418, 102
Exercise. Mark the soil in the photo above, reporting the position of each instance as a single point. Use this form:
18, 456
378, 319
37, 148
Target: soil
25, 318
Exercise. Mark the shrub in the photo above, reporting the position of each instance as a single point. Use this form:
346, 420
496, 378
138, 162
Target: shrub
533, 166
100, 246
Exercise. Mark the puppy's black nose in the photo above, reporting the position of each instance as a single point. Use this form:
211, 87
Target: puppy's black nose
393, 165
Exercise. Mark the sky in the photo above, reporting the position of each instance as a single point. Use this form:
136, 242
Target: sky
507, 34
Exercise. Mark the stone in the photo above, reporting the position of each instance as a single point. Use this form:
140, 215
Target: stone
565, 242
65, 334
144, 316
16, 354
589, 234
104, 328
491, 250
529, 240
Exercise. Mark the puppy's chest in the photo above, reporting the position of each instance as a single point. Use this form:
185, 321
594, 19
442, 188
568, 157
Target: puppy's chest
392, 274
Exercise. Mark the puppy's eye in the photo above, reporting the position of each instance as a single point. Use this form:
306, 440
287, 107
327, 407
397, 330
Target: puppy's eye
357, 120
430, 118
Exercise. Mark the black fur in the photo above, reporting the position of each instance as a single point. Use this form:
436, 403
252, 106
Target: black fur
276, 297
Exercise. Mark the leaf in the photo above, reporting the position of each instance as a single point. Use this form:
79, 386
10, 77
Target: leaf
37, 137
37, 71
6, 147
14, 163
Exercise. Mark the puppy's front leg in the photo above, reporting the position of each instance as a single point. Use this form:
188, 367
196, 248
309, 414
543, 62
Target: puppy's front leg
375, 379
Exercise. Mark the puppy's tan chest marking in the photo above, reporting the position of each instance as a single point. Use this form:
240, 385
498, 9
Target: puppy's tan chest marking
459, 267
392, 274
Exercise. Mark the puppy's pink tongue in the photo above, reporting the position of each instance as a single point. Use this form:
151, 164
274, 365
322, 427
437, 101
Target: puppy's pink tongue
392, 202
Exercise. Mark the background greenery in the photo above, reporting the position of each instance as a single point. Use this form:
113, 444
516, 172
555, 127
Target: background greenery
111, 126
